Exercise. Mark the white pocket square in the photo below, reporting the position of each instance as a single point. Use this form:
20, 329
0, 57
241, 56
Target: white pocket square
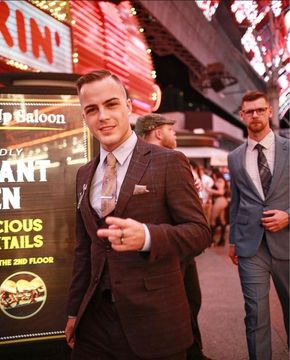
140, 189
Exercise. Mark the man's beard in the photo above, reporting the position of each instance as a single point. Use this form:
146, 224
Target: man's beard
257, 126
169, 143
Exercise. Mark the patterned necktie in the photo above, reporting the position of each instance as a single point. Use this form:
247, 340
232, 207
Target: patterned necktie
264, 170
109, 186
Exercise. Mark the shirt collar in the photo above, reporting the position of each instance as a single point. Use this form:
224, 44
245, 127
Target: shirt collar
122, 152
266, 142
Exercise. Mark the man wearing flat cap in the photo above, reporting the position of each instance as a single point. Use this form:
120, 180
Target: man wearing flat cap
159, 130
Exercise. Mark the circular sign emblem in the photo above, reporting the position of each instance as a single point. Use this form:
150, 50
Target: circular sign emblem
22, 295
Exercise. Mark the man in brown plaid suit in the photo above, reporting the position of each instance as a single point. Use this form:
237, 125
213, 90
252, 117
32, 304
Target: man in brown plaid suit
127, 299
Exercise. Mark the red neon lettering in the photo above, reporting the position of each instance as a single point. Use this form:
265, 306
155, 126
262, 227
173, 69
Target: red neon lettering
4, 14
21, 31
39, 41
57, 38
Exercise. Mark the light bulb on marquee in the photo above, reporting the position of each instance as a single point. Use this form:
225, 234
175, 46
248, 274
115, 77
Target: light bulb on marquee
156, 96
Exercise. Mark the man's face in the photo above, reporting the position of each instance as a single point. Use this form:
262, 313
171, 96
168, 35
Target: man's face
255, 115
167, 136
105, 110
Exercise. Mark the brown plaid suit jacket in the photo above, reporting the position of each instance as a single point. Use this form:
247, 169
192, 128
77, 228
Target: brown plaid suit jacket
148, 286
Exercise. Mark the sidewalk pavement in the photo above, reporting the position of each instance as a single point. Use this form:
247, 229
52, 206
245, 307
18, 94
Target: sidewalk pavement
221, 317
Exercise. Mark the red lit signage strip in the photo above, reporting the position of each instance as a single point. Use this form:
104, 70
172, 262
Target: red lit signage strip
30, 36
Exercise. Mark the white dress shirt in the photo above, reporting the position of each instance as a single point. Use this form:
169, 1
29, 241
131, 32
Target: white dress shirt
123, 154
252, 159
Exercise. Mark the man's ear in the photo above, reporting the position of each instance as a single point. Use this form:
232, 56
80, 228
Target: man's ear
158, 133
270, 111
129, 106
241, 115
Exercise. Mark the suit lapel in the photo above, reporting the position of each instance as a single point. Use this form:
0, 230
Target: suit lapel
138, 164
279, 163
244, 172
85, 205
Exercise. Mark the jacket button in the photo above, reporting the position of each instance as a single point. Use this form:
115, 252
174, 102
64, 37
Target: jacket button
108, 246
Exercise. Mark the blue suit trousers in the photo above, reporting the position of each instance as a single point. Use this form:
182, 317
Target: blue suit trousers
255, 273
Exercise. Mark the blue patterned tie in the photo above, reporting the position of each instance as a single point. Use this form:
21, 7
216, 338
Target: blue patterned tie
264, 170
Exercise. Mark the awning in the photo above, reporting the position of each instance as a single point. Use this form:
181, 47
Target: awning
218, 157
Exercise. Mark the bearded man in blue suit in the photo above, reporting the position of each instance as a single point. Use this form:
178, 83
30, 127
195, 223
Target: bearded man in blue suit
259, 221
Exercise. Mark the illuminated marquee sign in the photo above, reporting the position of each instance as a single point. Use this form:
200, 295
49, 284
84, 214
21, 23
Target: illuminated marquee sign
208, 7
43, 143
31, 37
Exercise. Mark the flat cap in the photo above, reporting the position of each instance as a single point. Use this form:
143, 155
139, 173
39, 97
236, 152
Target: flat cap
149, 122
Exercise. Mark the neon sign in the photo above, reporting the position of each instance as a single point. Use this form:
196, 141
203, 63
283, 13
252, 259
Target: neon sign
31, 37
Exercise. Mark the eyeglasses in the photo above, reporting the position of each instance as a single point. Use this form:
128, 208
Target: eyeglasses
259, 111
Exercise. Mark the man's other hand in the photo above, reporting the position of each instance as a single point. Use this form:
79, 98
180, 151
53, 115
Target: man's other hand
69, 332
232, 254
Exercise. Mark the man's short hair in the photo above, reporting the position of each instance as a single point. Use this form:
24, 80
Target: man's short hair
145, 124
254, 95
98, 75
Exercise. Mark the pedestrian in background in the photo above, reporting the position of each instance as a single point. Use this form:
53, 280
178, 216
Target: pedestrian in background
159, 130
197, 178
259, 221
219, 194
138, 215
207, 183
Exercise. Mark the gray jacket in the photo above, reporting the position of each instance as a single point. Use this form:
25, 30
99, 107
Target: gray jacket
247, 206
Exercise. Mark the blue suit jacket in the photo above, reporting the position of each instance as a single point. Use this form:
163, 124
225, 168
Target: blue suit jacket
247, 206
